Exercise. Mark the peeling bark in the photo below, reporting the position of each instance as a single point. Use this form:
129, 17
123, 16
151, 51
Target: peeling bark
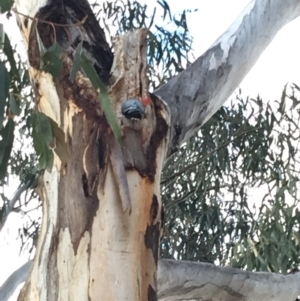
89, 248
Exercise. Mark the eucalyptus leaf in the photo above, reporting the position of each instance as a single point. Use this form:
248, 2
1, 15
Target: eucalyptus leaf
50, 58
42, 139
14, 106
76, 61
56, 49
60, 148
9, 52
6, 5
7, 135
42, 47
4, 86
2, 36
104, 99
51, 64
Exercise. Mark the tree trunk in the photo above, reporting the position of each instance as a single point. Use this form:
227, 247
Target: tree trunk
90, 248
102, 209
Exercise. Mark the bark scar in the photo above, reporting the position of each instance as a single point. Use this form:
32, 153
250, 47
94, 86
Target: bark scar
116, 160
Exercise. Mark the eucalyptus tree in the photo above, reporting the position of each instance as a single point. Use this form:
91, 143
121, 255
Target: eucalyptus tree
101, 139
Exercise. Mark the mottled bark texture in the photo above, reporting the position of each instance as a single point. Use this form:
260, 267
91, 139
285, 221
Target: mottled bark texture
89, 249
102, 209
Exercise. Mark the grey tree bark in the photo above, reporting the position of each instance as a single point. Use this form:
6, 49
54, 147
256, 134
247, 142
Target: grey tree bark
183, 280
198, 92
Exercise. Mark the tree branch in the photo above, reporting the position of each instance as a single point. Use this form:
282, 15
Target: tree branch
11, 204
198, 92
14, 280
184, 280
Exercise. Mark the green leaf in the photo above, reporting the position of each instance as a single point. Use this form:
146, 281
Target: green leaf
15, 108
42, 138
61, 148
4, 85
9, 52
76, 62
55, 49
42, 47
51, 64
7, 134
104, 99
50, 58
2, 36
282, 104
6, 5
2, 210
166, 9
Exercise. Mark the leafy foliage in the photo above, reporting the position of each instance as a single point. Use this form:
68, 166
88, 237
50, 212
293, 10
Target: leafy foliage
18, 161
6, 5
12, 92
209, 188
91, 73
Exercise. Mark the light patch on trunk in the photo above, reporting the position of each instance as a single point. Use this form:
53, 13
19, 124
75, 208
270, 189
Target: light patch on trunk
51, 181
114, 227
229, 37
49, 217
30, 8
37, 285
215, 60
73, 269
68, 116
46, 98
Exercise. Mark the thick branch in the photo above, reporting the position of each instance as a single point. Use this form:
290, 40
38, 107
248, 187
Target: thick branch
198, 92
183, 280
11, 204
14, 280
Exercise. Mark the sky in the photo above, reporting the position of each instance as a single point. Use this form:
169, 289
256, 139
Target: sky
279, 64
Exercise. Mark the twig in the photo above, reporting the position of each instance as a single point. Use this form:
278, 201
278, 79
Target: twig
176, 174
80, 23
